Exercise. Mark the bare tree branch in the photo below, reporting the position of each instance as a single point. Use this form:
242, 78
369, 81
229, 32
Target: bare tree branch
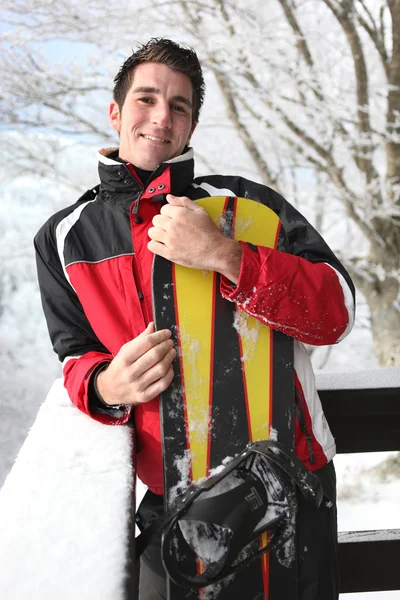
346, 17
243, 132
301, 42
300, 149
376, 34
229, 98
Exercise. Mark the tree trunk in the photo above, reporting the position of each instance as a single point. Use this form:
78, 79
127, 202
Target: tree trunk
385, 321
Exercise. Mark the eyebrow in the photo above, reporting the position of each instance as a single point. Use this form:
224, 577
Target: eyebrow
153, 90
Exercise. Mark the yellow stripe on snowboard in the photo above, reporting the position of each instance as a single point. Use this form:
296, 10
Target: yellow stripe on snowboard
259, 225
195, 331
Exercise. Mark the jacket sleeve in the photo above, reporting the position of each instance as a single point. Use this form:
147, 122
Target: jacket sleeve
300, 289
71, 334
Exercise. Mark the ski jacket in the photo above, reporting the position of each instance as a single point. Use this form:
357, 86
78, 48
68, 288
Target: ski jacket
94, 271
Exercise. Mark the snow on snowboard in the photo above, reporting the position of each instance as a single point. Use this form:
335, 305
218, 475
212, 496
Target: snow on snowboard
228, 431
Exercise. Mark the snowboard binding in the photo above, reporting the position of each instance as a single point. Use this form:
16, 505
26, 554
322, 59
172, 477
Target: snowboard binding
219, 520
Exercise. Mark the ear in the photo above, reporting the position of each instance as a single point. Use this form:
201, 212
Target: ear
114, 115
194, 125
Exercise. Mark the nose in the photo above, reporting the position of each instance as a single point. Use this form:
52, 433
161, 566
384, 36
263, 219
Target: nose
161, 115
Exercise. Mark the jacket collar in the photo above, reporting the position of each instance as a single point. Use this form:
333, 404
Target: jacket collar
120, 183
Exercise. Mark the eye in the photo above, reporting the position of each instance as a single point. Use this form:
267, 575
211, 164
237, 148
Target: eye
146, 100
179, 108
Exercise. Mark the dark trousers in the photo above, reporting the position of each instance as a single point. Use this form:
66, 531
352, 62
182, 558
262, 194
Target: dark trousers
316, 546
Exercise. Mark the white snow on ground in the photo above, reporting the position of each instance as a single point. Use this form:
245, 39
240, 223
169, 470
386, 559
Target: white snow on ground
64, 508
365, 503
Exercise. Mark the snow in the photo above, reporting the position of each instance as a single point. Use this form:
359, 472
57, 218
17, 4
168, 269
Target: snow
86, 462
209, 541
28, 365
395, 595
360, 380
370, 536
64, 508
182, 464
213, 592
242, 225
227, 483
365, 503
249, 331
273, 434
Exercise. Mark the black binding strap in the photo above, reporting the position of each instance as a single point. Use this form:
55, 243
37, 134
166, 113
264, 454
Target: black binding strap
307, 482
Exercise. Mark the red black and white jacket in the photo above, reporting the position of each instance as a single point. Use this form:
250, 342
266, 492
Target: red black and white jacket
94, 271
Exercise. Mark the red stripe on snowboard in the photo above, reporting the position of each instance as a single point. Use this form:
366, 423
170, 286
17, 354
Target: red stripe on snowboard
211, 387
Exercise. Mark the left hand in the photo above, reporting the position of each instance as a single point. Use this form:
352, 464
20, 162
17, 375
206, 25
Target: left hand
184, 234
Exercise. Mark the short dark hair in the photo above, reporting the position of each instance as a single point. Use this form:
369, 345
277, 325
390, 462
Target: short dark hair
169, 53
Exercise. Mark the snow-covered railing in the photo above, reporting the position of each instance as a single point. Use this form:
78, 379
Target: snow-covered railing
363, 411
66, 508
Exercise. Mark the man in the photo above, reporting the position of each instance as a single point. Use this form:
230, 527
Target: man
94, 266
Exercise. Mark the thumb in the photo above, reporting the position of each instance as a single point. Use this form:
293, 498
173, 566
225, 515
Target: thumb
149, 329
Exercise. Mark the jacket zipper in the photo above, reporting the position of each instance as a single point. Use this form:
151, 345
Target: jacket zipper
303, 426
135, 273
135, 208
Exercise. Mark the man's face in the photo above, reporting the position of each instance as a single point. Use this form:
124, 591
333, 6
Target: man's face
155, 122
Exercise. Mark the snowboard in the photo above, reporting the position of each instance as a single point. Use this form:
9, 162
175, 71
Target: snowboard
233, 384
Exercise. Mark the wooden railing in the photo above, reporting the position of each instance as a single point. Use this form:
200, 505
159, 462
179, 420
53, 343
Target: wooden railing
363, 412
66, 518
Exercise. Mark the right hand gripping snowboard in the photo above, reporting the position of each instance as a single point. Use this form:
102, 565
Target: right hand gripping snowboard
233, 384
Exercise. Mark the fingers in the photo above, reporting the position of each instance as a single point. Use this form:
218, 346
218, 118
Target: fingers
161, 221
153, 357
141, 369
158, 386
158, 371
175, 202
148, 339
149, 329
156, 234
159, 249
179, 201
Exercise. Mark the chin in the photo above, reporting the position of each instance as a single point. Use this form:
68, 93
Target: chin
154, 163
147, 166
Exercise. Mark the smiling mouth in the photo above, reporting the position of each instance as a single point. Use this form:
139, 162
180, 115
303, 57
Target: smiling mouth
155, 139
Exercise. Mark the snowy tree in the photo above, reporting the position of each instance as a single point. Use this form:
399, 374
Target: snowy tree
310, 88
